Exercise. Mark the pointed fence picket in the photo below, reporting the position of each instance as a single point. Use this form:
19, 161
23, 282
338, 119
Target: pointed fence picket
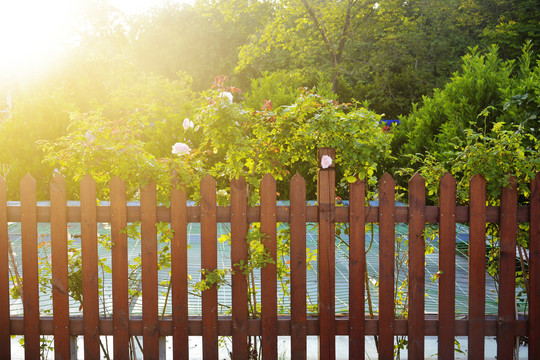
477, 266
386, 266
417, 223
119, 269
29, 241
149, 272
268, 273
326, 254
209, 264
447, 266
534, 269
179, 272
357, 269
241, 325
239, 227
507, 272
90, 283
298, 267
59, 259
5, 328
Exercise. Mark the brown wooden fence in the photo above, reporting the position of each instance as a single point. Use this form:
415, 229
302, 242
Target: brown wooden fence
298, 325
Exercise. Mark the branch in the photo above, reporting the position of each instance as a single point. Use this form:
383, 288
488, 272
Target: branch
321, 29
345, 31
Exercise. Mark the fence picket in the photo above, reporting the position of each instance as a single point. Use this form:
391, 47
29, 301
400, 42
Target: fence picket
327, 326
149, 272
447, 267
90, 283
239, 227
119, 269
477, 267
534, 269
179, 272
30, 267
59, 253
417, 206
326, 269
357, 269
386, 266
209, 263
5, 327
298, 266
269, 272
507, 272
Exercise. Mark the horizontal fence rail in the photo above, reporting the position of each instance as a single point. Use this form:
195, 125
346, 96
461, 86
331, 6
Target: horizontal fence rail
269, 324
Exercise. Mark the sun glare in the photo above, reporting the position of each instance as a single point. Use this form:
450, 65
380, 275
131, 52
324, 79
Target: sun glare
32, 33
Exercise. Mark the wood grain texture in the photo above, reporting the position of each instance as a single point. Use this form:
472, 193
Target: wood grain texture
209, 263
447, 267
149, 272
534, 270
90, 277
477, 265
298, 267
269, 272
59, 257
254, 214
357, 269
30, 267
417, 204
326, 268
119, 264
507, 272
179, 272
386, 266
5, 328
239, 226
254, 326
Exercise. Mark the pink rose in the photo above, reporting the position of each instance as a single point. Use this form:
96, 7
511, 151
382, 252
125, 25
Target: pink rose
326, 161
180, 149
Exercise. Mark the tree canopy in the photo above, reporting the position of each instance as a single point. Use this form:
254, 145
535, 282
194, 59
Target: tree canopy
152, 70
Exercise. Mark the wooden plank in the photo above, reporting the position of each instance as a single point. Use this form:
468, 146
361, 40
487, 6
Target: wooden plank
477, 266
534, 270
209, 263
90, 277
326, 263
298, 267
507, 272
29, 240
447, 267
239, 226
59, 252
269, 272
119, 269
357, 269
5, 328
149, 272
386, 266
224, 214
254, 326
417, 203
179, 272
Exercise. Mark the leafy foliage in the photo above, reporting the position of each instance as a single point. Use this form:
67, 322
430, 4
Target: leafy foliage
487, 91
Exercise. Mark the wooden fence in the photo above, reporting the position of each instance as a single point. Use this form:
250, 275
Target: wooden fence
298, 325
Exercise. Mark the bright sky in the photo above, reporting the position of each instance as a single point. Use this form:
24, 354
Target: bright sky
32, 31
